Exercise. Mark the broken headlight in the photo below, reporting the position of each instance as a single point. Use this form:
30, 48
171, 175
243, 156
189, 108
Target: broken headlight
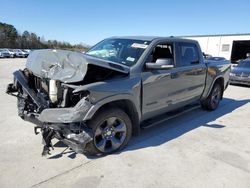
76, 97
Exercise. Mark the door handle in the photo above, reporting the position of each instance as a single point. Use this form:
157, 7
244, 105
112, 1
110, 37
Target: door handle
174, 75
195, 62
200, 71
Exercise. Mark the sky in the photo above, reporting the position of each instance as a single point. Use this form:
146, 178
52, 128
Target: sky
89, 21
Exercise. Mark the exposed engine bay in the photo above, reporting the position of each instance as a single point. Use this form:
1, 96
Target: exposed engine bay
47, 95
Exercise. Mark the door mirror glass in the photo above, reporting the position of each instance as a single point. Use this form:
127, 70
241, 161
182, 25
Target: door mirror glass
164, 61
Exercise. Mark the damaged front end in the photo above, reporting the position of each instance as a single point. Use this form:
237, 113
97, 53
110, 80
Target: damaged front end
57, 114
46, 95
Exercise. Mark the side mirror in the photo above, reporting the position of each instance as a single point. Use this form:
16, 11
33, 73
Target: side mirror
160, 64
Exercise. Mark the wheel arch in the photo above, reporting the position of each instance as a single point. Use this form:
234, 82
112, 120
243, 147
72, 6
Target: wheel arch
128, 107
220, 81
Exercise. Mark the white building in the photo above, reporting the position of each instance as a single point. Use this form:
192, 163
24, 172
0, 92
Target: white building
232, 46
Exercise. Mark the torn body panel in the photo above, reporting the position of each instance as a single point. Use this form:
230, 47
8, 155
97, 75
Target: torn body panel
66, 115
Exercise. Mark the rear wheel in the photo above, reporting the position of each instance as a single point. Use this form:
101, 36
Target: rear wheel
112, 130
213, 100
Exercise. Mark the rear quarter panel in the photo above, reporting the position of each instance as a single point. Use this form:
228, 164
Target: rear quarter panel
216, 70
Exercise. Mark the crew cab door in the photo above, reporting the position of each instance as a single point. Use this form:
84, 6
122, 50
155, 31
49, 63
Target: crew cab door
160, 88
166, 90
191, 71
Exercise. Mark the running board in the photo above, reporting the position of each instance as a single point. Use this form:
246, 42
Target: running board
167, 116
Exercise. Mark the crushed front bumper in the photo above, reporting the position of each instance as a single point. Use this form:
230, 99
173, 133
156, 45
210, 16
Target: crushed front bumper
65, 124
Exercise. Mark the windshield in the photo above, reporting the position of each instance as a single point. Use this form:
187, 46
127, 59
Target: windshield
123, 51
245, 63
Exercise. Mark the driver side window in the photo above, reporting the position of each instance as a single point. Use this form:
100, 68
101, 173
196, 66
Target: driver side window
161, 51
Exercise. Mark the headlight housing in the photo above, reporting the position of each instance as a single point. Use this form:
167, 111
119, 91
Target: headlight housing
53, 90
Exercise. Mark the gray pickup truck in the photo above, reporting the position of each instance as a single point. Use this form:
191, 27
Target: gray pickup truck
94, 102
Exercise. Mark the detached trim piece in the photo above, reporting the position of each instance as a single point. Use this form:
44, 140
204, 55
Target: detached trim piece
66, 115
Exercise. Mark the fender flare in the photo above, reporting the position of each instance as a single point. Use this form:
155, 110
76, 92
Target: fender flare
212, 85
110, 99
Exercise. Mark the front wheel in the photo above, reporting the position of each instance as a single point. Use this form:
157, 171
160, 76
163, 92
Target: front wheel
112, 130
214, 98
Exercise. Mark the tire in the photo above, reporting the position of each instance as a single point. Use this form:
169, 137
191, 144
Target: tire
213, 100
112, 130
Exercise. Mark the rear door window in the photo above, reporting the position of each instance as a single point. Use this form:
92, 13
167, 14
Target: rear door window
188, 54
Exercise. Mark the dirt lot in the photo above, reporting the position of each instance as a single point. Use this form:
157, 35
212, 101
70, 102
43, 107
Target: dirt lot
198, 149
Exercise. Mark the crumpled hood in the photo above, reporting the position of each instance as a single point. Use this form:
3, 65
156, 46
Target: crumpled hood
66, 66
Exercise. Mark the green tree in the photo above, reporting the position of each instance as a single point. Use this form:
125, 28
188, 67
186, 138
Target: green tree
8, 35
10, 38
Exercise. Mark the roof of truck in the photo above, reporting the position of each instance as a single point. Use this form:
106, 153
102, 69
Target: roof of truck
151, 38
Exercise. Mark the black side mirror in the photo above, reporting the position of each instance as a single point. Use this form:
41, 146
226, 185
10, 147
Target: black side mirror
160, 64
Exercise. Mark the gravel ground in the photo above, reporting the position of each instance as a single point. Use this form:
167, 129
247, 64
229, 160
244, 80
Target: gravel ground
197, 149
